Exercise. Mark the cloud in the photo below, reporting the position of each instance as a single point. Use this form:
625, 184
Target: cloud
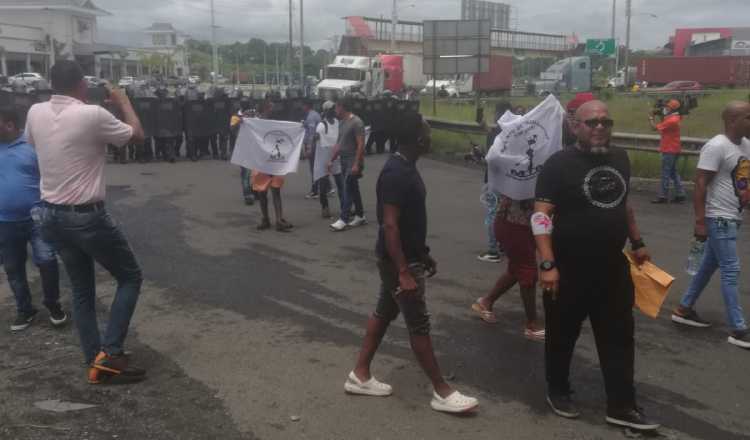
268, 19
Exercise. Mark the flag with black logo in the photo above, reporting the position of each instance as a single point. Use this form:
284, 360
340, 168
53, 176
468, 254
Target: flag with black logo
269, 147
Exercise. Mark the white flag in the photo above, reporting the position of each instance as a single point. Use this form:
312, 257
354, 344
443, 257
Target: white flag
269, 147
521, 149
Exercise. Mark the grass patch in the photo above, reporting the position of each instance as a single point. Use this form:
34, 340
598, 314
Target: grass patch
453, 146
629, 112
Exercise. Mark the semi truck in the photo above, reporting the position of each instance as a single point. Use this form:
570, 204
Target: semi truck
403, 72
722, 71
352, 75
571, 74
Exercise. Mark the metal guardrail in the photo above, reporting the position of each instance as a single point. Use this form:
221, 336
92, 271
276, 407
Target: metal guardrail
630, 141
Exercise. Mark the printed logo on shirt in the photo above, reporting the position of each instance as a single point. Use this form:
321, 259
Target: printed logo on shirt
280, 145
604, 187
533, 135
741, 178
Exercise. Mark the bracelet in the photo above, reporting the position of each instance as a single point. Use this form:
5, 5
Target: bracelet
637, 244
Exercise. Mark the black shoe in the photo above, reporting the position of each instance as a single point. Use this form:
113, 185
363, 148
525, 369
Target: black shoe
740, 339
23, 321
634, 418
249, 201
57, 316
679, 199
660, 201
690, 318
563, 405
264, 224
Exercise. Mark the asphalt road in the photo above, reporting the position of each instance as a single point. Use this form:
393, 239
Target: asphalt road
251, 334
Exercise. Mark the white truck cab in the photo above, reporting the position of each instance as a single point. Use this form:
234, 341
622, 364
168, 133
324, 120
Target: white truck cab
348, 74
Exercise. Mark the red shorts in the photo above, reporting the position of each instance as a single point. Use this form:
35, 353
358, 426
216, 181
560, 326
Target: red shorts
520, 248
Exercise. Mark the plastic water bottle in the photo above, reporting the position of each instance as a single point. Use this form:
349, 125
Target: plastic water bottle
695, 257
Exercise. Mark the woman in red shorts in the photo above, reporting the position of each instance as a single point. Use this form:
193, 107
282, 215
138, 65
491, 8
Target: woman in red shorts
513, 232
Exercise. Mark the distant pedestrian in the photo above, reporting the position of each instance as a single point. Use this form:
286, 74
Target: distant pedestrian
245, 173
350, 147
494, 252
721, 194
310, 123
670, 148
582, 221
19, 196
403, 260
325, 140
70, 139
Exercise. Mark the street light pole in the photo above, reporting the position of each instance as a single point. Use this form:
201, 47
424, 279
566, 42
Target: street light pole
614, 37
394, 22
302, 47
215, 52
291, 45
629, 15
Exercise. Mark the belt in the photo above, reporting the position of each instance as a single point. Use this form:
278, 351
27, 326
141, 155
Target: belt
91, 207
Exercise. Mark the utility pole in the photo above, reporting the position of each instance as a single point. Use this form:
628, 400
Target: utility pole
291, 46
394, 22
265, 65
629, 15
215, 55
278, 84
614, 37
302, 47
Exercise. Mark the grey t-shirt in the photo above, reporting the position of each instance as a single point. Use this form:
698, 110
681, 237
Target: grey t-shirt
731, 163
349, 129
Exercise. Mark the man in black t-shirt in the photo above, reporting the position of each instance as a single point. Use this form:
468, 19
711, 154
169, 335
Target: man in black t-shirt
581, 224
403, 259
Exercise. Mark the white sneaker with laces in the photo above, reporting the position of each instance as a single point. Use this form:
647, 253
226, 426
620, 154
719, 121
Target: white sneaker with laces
339, 226
455, 403
357, 221
372, 387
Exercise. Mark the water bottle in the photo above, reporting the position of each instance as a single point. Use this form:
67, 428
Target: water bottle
695, 257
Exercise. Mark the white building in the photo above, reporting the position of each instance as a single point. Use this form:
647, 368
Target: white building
35, 33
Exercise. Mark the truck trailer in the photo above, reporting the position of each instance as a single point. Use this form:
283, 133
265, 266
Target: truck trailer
721, 71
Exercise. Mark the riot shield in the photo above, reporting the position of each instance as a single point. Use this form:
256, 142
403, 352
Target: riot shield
168, 118
146, 109
221, 114
198, 118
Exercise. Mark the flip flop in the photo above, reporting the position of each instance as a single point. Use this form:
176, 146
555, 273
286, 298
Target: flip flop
535, 335
485, 315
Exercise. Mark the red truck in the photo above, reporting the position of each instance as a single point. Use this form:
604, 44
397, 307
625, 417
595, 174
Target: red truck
708, 71
498, 79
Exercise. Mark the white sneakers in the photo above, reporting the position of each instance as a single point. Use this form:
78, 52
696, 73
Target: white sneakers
357, 221
455, 403
340, 225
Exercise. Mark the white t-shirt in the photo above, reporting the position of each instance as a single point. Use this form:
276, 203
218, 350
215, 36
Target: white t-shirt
71, 139
731, 163
324, 149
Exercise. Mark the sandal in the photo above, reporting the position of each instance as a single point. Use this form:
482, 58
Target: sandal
535, 334
455, 403
485, 314
372, 387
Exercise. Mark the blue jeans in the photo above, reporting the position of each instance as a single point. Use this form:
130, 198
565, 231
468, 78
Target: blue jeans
492, 246
720, 252
351, 195
82, 239
14, 238
247, 189
669, 174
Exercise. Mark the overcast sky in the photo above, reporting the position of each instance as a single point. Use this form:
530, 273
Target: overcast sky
653, 21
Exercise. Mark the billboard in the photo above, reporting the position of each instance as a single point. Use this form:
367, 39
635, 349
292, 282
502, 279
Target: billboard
497, 13
453, 47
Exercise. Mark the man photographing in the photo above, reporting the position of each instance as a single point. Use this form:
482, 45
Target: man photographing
581, 222
670, 148
70, 138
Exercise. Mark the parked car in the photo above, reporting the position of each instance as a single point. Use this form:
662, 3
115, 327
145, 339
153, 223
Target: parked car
26, 79
193, 79
92, 81
126, 81
681, 86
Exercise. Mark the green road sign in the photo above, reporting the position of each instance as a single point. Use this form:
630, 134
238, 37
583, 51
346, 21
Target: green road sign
605, 46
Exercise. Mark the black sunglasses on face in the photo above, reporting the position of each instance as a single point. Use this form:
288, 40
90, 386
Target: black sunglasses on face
605, 122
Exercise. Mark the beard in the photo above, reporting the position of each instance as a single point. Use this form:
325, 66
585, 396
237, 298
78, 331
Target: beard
593, 149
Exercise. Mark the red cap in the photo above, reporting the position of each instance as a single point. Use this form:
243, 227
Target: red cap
579, 100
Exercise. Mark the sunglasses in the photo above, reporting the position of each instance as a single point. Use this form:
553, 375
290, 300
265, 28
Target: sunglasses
604, 122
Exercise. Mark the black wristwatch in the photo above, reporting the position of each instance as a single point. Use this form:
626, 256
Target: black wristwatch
637, 244
547, 265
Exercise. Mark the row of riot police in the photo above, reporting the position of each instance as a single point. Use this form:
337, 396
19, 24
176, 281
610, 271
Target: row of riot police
197, 123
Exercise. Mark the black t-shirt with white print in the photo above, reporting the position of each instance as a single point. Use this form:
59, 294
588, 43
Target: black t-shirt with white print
589, 193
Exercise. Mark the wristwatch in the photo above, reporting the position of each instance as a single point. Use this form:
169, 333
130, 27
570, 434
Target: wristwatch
547, 265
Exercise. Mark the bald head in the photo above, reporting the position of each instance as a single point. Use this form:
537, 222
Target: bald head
590, 108
736, 117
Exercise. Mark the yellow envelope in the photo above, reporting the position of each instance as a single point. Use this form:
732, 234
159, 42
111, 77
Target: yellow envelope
651, 286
